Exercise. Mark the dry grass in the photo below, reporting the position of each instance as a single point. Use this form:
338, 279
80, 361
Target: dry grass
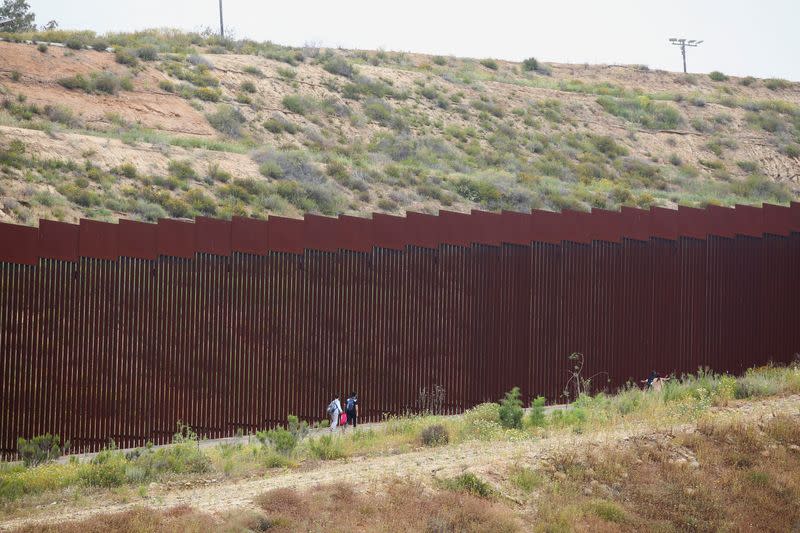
726, 476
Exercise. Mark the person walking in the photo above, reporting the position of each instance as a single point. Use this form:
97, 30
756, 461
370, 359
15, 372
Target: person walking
351, 408
334, 411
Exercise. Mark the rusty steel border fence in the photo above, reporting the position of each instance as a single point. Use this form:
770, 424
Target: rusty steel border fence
120, 331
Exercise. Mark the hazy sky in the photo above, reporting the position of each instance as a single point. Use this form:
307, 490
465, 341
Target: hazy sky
742, 37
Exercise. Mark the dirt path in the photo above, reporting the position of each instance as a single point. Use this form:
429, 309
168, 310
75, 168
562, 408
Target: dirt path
488, 459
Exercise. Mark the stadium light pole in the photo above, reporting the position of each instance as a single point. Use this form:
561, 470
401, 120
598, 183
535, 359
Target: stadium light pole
221, 25
683, 43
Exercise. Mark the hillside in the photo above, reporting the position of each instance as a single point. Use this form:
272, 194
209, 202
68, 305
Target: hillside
179, 125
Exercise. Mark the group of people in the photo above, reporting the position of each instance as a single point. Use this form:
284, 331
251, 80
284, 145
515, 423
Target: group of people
342, 417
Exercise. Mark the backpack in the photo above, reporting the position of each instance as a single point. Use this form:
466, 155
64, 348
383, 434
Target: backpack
332, 407
351, 404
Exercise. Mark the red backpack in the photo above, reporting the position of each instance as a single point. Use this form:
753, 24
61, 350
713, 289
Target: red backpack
343, 419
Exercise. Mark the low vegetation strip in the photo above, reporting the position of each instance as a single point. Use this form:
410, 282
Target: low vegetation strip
482, 441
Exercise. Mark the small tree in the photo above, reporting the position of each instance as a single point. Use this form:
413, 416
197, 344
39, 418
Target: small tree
21, 16
511, 410
41, 449
536, 417
577, 384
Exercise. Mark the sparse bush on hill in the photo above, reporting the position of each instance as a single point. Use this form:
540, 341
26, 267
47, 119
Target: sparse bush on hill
491, 64
531, 64
643, 111
125, 57
227, 120
776, 84
103, 82
339, 66
42, 47
718, 76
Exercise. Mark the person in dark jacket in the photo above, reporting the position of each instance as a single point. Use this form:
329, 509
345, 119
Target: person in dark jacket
351, 408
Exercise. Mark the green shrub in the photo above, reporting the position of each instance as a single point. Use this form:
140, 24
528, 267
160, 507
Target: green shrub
74, 44
185, 457
339, 66
326, 448
525, 479
791, 150
511, 410
287, 74
166, 85
296, 103
776, 84
182, 170
248, 86
99, 45
440, 60
643, 111
106, 82
42, 47
491, 64
434, 435
280, 439
531, 64
201, 202
227, 120
75, 82
106, 469
718, 76
147, 53
747, 81
40, 449
536, 417
207, 94
469, 483
125, 57
278, 124
608, 511
255, 71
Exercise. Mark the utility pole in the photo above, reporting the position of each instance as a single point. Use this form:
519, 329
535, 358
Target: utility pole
683, 43
221, 25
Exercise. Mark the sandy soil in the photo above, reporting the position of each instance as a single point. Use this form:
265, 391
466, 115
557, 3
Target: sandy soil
487, 459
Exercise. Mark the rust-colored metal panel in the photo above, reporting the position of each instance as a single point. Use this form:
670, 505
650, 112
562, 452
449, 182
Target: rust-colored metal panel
58, 240
636, 223
175, 238
286, 234
19, 244
356, 233
423, 230
98, 240
577, 226
776, 219
137, 239
321, 233
389, 231
455, 228
212, 236
663, 223
545, 227
486, 227
515, 228
607, 225
722, 221
692, 222
747, 220
249, 235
